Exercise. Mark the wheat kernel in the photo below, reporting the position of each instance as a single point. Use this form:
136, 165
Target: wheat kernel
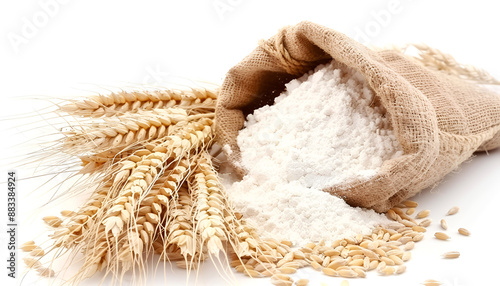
431, 282
302, 282
373, 265
37, 251
426, 222
281, 283
329, 272
387, 261
310, 245
444, 224
409, 245
451, 254
381, 266
28, 246
410, 204
396, 259
356, 262
405, 239
316, 265
395, 236
463, 231
410, 211
279, 276
418, 228
423, 214
453, 210
441, 236
288, 270
317, 258
337, 263
389, 270
331, 252
392, 215
401, 269
267, 273
292, 264
406, 256
418, 237
252, 273
347, 273
298, 254
408, 223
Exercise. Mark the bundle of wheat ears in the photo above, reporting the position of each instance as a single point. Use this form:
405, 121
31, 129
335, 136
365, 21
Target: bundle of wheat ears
154, 187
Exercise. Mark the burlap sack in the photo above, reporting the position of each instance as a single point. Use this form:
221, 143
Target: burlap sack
439, 119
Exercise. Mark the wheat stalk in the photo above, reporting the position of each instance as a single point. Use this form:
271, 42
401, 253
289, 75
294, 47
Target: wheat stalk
437, 60
126, 130
118, 103
180, 229
208, 206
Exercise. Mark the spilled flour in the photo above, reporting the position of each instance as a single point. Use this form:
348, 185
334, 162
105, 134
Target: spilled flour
320, 132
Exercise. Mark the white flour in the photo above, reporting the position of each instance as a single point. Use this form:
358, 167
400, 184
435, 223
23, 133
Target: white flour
320, 132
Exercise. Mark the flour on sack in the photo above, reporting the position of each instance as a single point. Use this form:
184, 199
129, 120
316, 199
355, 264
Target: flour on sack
321, 131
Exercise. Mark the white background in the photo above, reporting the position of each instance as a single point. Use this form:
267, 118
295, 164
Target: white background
71, 48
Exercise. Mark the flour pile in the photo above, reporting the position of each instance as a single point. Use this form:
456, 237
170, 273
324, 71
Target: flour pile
320, 132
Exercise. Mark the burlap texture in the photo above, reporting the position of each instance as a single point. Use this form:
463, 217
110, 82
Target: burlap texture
439, 119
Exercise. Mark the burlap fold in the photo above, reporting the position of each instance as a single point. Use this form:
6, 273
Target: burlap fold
439, 119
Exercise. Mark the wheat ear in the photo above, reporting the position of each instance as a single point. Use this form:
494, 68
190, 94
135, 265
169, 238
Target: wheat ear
126, 130
118, 103
437, 60
209, 205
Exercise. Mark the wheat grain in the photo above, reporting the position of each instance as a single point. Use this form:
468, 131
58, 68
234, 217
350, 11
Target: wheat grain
281, 283
410, 204
410, 211
347, 273
37, 251
330, 271
418, 237
431, 282
52, 221
453, 211
444, 224
451, 254
463, 231
283, 277
45, 272
28, 246
409, 245
418, 228
425, 223
423, 214
441, 235
302, 282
